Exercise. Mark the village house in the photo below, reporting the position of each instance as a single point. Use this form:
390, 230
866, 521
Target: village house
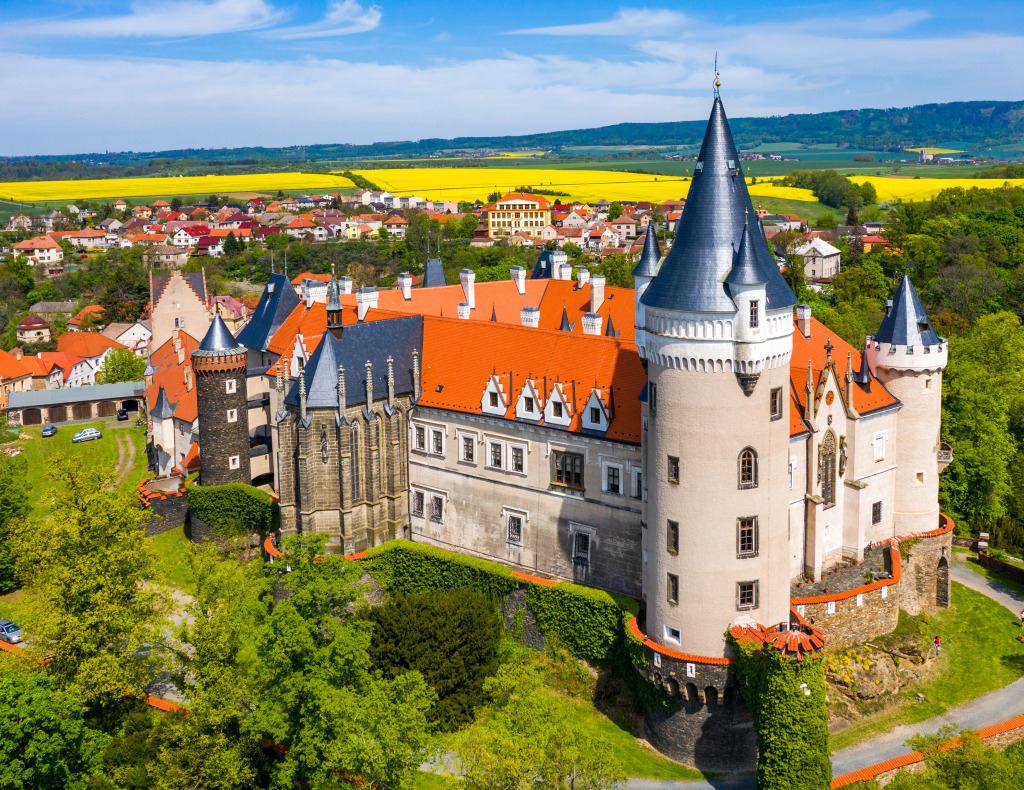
820, 259
32, 329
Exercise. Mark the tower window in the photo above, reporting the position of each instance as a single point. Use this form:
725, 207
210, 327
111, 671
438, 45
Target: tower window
232, 415
748, 469
776, 403
746, 537
673, 469
876, 513
754, 322
234, 462
672, 537
746, 595
229, 386
652, 396
672, 588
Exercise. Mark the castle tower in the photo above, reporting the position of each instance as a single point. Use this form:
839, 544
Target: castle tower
645, 271
220, 364
162, 415
716, 340
908, 357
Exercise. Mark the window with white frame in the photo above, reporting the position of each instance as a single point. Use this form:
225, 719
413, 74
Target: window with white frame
436, 441
792, 471
417, 503
673, 635
879, 444
230, 386
517, 458
469, 448
234, 462
638, 480
613, 479
232, 415
514, 527
420, 441
437, 509
495, 454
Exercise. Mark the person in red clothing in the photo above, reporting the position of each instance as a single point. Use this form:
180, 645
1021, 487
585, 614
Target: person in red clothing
938, 646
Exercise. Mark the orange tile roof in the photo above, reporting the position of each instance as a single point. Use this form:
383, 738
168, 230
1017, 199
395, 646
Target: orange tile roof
94, 310
37, 243
10, 367
320, 278
516, 354
58, 359
618, 303
171, 376
541, 201
85, 344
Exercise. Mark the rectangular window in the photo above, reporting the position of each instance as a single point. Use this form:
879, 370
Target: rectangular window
637, 483
754, 314
421, 438
437, 442
746, 595
468, 446
517, 457
515, 529
672, 635
746, 537
613, 482
776, 407
528, 405
556, 410
672, 537
876, 513
437, 509
229, 386
581, 548
568, 469
417, 503
879, 445
233, 462
232, 415
673, 469
494, 400
652, 396
672, 588
595, 414
496, 454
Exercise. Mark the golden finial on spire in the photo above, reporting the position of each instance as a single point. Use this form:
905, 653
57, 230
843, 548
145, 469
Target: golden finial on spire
718, 82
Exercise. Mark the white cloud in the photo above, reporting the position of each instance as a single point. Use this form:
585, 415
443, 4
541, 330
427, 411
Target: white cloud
627, 22
170, 19
343, 18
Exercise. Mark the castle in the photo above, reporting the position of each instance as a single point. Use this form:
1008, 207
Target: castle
694, 442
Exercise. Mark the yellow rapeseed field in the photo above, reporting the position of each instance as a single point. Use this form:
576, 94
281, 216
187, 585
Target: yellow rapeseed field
908, 189
476, 183
936, 150
35, 191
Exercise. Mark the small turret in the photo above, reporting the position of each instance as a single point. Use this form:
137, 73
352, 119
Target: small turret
746, 285
334, 308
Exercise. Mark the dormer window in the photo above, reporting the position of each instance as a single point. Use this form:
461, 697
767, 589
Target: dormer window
595, 414
494, 400
528, 404
556, 410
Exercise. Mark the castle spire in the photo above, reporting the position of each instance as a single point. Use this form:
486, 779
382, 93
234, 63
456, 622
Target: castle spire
647, 266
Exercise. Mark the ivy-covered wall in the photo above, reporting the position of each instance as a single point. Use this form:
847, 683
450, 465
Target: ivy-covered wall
233, 510
590, 623
786, 698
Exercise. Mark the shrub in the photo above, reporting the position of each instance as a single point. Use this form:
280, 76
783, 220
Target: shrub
233, 510
450, 637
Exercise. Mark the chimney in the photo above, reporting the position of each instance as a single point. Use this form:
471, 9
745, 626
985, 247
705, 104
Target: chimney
468, 278
366, 298
188, 379
405, 283
582, 277
803, 319
530, 316
344, 285
181, 353
519, 278
464, 310
592, 323
565, 271
596, 292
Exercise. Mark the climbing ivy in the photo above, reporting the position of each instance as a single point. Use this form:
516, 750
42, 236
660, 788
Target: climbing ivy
792, 725
591, 623
233, 510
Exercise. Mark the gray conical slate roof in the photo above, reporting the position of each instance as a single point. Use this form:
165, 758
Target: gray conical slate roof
907, 323
610, 329
163, 408
218, 341
745, 270
709, 230
647, 266
565, 326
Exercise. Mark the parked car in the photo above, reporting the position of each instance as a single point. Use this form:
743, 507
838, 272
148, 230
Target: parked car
49, 430
9, 632
122, 415
86, 435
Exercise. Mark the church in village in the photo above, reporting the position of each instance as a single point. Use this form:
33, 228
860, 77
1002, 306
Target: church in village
698, 442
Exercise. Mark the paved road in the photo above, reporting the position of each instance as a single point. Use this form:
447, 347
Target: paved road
991, 708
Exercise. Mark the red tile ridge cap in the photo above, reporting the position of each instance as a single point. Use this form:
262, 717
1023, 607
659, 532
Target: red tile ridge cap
665, 651
534, 579
897, 573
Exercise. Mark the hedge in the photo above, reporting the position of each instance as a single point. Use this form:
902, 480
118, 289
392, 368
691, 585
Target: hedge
233, 510
590, 623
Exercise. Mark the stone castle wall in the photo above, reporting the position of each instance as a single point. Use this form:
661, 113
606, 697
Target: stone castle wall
1011, 572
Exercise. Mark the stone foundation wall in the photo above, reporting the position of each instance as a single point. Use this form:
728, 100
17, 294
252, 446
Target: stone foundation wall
858, 618
168, 513
200, 532
925, 583
1011, 572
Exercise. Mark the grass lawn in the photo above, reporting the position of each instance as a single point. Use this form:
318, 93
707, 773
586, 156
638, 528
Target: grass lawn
171, 550
38, 450
979, 655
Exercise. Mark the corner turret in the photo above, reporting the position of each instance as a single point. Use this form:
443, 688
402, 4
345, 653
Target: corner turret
645, 271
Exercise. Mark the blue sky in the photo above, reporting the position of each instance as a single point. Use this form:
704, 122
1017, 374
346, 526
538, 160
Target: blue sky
95, 75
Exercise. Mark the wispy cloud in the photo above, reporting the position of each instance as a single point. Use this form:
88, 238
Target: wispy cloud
170, 19
343, 18
627, 22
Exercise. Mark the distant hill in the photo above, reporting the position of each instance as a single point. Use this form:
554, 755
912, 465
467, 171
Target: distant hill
978, 124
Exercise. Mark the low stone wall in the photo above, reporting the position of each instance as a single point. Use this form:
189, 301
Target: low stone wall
168, 513
966, 543
1010, 571
201, 532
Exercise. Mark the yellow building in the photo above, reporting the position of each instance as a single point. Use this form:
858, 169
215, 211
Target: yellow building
517, 212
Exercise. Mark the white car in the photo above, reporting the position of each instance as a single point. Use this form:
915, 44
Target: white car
86, 435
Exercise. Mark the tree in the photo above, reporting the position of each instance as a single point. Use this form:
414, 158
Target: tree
13, 506
827, 221
66, 248
176, 203
86, 564
232, 246
851, 216
615, 210
45, 743
120, 364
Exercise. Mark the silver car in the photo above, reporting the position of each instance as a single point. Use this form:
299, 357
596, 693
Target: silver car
86, 435
9, 632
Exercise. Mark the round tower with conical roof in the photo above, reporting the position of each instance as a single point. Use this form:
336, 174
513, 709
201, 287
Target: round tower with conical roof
219, 365
908, 357
716, 339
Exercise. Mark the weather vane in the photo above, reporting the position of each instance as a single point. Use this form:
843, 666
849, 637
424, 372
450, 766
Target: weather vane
718, 82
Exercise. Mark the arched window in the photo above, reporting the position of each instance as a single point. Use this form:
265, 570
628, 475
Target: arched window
354, 460
827, 469
748, 468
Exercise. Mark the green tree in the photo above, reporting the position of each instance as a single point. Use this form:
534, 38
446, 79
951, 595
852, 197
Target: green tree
45, 743
176, 203
827, 221
232, 246
66, 248
617, 270
86, 564
615, 210
13, 506
120, 364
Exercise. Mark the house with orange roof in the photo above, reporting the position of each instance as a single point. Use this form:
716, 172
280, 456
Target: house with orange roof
517, 212
171, 400
93, 315
142, 211
33, 329
14, 377
40, 249
396, 226
92, 348
299, 227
